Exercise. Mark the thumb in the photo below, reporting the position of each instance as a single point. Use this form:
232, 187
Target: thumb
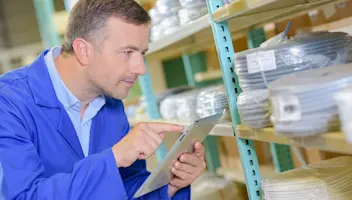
199, 150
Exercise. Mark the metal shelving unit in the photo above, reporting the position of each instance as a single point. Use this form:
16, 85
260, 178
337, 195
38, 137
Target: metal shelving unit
219, 28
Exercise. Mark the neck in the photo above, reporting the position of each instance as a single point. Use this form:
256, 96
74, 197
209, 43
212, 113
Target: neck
73, 75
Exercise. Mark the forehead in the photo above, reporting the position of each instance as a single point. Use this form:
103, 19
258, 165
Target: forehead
121, 33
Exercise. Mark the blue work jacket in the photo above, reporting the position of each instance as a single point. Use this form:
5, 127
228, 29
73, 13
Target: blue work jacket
40, 152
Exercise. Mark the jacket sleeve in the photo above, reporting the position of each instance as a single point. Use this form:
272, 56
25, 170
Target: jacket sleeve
134, 176
95, 177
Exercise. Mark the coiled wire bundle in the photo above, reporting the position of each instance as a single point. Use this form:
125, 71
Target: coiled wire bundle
327, 180
211, 101
302, 103
256, 68
253, 107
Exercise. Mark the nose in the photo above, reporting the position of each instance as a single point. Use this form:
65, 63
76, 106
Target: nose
140, 67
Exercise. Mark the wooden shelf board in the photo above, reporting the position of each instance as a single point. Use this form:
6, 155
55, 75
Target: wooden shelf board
333, 141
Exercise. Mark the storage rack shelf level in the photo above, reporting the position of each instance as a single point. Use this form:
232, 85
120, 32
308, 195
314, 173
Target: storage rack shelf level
331, 141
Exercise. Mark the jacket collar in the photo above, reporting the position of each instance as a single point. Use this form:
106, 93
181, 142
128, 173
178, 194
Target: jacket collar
40, 83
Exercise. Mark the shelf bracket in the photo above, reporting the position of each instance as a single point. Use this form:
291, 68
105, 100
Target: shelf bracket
44, 10
225, 49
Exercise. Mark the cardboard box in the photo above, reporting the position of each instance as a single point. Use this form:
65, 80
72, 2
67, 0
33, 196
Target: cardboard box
316, 17
344, 9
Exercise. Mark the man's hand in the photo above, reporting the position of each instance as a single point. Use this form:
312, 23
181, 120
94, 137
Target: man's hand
187, 169
141, 142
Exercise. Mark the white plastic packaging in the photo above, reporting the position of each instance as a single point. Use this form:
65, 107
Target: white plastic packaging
326, 180
253, 107
186, 106
187, 15
302, 103
258, 67
193, 3
343, 101
170, 24
167, 7
211, 101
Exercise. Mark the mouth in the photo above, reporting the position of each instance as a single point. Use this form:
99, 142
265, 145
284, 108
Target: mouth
129, 83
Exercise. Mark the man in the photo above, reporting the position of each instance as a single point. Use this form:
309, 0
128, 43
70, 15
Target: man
63, 131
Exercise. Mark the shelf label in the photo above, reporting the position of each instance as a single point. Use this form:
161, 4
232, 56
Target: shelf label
286, 108
261, 61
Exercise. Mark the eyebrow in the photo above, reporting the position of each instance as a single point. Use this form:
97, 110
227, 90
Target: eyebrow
132, 47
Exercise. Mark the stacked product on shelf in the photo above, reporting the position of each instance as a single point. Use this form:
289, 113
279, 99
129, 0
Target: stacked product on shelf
187, 106
211, 101
167, 102
180, 107
168, 15
165, 18
303, 104
253, 107
190, 105
192, 10
329, 179
343, 100
257, 68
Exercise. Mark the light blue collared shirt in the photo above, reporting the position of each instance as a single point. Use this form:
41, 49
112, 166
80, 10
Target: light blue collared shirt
71, 103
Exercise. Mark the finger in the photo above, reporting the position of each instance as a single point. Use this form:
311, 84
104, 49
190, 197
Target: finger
178, 183
190, 159
165, 127
146, 151
180, 174
153, 134
185, 167
199, 149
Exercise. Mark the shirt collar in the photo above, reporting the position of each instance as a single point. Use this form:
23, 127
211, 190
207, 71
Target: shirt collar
64, 95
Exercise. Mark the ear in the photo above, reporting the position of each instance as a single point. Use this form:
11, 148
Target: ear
83, 50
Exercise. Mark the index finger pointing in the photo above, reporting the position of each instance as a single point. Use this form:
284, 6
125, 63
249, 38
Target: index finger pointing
165, 127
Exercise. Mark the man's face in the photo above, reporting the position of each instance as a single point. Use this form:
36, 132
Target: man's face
114, 69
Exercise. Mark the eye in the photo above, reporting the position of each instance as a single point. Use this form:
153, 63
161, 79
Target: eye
127, 53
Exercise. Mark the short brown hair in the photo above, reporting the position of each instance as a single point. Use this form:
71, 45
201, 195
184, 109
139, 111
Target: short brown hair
89, 17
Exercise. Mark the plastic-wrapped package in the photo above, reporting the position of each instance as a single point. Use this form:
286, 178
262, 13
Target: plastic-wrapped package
156, 32
257, 67
170, 24
168, 108
327, 180
254, 109
155, 16
167, 102
193, 3
167, 7
186, 106
343, 100
211, 101
187, 15
302, 103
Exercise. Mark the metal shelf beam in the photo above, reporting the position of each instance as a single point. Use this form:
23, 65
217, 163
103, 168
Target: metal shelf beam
225, 49
44, 11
